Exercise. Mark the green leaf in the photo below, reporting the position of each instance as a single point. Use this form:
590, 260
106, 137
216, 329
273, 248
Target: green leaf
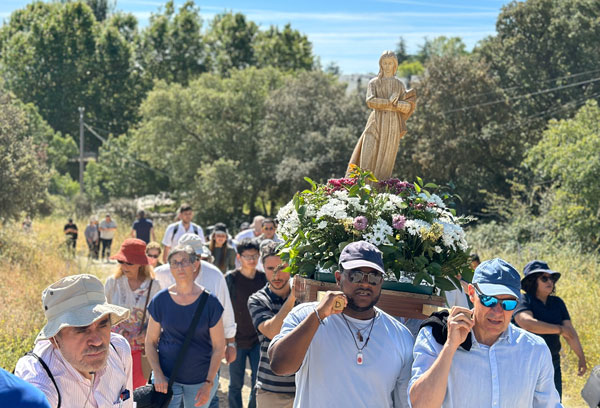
432, 185
342, 245
444, 283
420, 181
417, 188
307, 269
311, 182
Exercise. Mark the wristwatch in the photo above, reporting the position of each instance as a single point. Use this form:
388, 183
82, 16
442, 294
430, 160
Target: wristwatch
232, 344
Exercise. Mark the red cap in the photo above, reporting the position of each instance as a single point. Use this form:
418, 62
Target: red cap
132, 251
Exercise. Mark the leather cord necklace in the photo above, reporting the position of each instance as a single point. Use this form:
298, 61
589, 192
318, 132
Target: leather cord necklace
359, 354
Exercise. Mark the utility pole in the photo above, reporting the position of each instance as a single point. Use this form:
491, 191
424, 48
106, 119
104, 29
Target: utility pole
81, 110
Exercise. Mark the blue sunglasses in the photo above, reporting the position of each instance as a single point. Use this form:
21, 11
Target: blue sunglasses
490, 301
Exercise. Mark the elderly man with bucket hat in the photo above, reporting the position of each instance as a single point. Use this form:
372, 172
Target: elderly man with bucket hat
345, 351
77, 362
483, 360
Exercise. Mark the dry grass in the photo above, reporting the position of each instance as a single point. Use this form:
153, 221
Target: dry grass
28, 264
578, 286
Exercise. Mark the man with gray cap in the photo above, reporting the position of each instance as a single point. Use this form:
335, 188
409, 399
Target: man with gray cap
345, 351
484, 361
77, 362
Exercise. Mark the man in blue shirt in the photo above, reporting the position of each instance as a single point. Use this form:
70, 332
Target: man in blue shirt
143, 228
484, 361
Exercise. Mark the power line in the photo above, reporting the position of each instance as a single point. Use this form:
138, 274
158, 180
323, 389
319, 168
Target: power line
124, 155
540, 82
527, 95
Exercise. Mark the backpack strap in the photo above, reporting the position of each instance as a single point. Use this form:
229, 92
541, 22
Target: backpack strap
229, 279
45, 367
174, 232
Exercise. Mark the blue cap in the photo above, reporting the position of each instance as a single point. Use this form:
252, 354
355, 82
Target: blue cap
534, 267
497, 277
361, 254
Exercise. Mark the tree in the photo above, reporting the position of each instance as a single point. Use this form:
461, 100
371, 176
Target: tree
230, 40
287, 50
311, 127
212, 118
23, 172
567, 156
441, 46
545, 44
401, 52
172, 47
59, 58
473, 149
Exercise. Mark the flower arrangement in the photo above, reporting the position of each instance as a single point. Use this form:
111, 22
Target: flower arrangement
421, 238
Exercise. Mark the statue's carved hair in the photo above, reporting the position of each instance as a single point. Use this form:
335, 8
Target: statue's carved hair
384, 55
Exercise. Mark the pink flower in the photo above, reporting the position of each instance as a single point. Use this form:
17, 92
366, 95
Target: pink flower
398, 222
360, 222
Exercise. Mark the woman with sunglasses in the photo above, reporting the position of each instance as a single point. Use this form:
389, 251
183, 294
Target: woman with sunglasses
133, 286
153, 253
541, 313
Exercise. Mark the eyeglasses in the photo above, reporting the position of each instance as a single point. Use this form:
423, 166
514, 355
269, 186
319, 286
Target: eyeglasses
250, 257
182, 264
546, 278
124, 263
269, 228
152, 256
357, 276
491, 301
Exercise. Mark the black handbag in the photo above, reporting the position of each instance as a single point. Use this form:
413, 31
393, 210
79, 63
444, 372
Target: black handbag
146, 396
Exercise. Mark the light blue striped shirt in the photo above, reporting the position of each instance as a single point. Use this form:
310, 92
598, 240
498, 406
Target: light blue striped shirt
516, 371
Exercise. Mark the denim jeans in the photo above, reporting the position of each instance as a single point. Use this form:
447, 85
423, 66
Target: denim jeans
236, 376
184, 395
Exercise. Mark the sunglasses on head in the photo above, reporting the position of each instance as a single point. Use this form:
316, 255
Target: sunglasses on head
124, 263
357, 276
546, 278
491, 301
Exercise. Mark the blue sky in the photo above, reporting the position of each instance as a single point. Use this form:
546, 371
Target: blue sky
351, 33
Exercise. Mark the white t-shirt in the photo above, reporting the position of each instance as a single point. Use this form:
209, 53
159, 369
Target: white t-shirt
330, 376
211, 278
171, 240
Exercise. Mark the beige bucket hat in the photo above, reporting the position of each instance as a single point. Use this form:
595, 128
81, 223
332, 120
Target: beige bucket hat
76, 301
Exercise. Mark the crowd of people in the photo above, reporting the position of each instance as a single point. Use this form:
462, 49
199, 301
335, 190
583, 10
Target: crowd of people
230, 298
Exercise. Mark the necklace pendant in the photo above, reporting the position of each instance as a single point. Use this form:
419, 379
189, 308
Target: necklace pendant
359, 358
360, 337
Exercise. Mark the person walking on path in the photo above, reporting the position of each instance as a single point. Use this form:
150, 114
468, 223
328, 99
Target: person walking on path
108, 229
176, 230
92, 238
345, 351
546, 315
171, 313
143, 228
268, 307
223, 254
70, 230
242, 283
77, 361
477, 358
132, 286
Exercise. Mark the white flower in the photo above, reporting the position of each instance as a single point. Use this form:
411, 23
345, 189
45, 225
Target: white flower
414, 226
333, 208
438, 249
379, 233
453, 236
322, 225
389, 202
288, 220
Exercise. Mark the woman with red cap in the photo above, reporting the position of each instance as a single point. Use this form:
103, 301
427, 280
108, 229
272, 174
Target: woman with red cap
132, 286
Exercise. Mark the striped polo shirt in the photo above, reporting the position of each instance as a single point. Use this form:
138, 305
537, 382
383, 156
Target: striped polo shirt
263, 305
